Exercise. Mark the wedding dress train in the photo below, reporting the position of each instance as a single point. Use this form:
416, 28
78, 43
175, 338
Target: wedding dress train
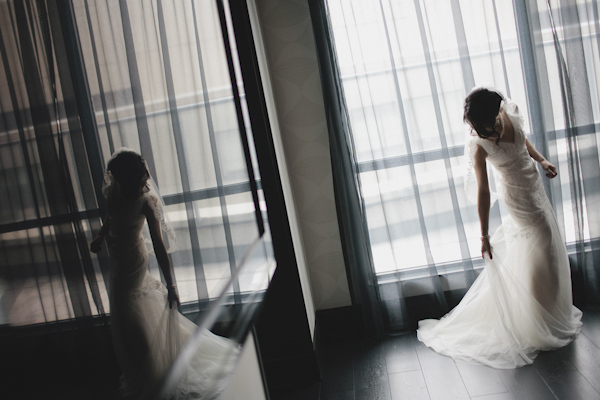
521, 303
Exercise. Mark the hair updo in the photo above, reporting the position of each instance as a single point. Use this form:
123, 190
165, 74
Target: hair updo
481, 109
130, 171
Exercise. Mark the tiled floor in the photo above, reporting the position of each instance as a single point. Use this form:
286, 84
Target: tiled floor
400, 367
403, 368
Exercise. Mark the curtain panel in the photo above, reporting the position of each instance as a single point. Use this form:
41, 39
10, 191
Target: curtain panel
346, 180
82, 79
405, 68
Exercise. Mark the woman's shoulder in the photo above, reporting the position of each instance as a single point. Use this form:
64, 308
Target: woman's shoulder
475, 143
150, 204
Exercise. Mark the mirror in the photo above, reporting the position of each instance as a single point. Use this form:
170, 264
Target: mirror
161, 78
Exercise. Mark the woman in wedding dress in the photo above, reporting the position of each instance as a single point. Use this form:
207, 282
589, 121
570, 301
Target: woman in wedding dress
147, 329
521, 303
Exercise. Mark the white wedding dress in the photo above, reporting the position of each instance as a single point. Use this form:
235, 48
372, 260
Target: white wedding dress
147, 334
521, 303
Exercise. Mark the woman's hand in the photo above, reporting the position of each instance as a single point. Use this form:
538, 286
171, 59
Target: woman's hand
550, 169
486, 247
172, 296
96, 244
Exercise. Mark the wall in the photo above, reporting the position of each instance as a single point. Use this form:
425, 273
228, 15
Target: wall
300, 125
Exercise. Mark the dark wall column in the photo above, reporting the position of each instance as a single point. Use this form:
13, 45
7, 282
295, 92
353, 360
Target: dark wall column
283, 332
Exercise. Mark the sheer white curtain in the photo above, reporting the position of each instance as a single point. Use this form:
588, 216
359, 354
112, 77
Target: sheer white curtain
154, 76
406, 67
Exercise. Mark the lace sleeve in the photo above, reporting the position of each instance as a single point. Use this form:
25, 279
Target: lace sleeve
470, 178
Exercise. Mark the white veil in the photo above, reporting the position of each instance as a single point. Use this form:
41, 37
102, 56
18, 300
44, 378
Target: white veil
168, 233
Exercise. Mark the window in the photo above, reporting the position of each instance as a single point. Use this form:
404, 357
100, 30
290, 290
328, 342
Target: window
406, 67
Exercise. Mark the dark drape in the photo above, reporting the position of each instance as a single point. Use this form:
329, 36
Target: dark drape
346, 180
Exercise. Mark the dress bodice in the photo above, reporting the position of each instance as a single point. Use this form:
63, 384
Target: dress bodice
520, 182
510, 159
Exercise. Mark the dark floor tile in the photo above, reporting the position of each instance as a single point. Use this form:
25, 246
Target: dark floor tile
498, 396
408, 385
400, 353
401, 368
338, 348
369, 366
585, 356
379, 390
337, 379
336, 369
526, 383
571, 385
344, 395
480, 380
591, 325
441, 375
310, 393
554, 362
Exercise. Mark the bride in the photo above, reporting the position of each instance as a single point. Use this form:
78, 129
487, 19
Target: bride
521, 303
147, 330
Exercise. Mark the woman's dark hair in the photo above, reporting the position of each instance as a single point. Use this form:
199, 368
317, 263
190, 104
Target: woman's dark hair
481, 109
129, 170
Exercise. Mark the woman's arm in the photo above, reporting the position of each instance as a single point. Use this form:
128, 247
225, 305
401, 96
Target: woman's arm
96, 244
483, 199
161, 254
550, 169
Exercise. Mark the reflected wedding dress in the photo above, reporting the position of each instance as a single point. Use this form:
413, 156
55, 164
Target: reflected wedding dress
521, 303
147, 334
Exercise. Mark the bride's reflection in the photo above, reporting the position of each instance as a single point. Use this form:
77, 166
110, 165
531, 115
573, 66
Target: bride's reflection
148, 331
